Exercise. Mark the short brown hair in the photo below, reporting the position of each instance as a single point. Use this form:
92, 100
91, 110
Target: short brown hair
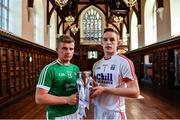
112, 30
65, 39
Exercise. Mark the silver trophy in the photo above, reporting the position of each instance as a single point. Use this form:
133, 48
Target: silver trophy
84, 84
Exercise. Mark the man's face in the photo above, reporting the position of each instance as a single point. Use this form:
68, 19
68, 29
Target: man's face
110, 42
65, 51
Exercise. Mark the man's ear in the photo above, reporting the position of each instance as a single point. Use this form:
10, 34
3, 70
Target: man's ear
57, 50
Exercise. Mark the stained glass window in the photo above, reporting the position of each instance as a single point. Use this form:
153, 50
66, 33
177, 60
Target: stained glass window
92, 26
4, 14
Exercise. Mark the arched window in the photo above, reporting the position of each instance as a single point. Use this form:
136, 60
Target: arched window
175, 17
53, 31
39, 22
150, 22
4, 14
15, 17
11, 16
92, 22
124, 36
134, 32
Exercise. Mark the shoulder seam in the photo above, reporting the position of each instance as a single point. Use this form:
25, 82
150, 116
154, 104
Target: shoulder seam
44, 71
130, 65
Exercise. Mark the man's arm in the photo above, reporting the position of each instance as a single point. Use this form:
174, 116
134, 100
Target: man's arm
42, 97
132, 90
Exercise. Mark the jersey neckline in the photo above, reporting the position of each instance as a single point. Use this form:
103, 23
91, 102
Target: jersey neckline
62, 63
110, 57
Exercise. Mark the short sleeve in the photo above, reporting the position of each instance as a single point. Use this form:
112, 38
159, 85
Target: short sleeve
45, 78
127, 70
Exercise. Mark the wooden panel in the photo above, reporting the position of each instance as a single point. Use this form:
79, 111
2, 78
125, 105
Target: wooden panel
161, 67
20, 63
4, 73
177, 67
162, 58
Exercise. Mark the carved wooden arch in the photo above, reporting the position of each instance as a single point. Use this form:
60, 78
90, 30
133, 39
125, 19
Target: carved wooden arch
87, 7
58, 24
136, 12
49, 13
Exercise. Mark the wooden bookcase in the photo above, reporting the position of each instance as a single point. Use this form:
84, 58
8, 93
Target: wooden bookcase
4, 88
20, 63
162, 56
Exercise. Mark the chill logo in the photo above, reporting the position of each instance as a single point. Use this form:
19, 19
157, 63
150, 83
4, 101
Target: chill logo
104, 78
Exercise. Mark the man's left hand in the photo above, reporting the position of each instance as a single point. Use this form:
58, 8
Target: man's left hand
97, 91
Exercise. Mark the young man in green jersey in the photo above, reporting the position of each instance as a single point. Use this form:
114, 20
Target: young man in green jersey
56, 85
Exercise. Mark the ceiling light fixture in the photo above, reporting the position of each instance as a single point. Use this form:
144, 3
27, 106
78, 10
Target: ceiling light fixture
130, 3
61, 3
70, 19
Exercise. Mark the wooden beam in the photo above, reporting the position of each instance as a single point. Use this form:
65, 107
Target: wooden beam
30, 3
49, 13
160, 3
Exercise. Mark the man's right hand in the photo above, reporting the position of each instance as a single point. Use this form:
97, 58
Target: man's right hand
73, 99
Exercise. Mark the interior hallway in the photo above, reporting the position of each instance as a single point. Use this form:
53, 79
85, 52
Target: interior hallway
154, 105
148, 31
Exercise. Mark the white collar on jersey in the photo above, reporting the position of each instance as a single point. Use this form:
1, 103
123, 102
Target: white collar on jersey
65, 64
110, 56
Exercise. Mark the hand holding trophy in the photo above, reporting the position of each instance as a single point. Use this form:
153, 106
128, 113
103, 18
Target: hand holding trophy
84, 84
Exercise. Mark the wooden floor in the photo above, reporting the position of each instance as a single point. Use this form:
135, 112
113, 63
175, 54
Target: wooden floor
156, 104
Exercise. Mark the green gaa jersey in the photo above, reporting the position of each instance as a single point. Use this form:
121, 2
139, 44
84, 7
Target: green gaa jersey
59, 80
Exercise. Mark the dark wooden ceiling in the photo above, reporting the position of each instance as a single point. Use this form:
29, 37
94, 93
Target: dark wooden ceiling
116, 7
71, 6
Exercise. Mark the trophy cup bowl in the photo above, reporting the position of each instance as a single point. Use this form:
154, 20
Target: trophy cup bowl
84, 86
84, 77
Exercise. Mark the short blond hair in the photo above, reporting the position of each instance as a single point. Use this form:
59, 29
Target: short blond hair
65, 39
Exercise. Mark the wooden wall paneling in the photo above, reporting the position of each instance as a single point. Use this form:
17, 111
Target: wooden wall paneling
22, 69
0, 73
171, 66
17, 73
17, 70
162, 59
37, 63
12, 70
4, 93
5, 73
141, 70
30, 67
34, 67
26, 70
156, 68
